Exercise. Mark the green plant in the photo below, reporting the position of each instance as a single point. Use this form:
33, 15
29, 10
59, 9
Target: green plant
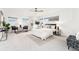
6, 26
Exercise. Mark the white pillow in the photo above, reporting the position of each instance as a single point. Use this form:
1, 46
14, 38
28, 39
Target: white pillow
77, 36
53, 27
36, 26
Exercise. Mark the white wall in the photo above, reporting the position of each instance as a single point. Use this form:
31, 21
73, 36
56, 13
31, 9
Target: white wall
70, 19
68, 16
75, 20
27, 12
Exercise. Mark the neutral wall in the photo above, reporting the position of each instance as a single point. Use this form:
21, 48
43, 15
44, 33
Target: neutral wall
27, 12
68, 17
75, 20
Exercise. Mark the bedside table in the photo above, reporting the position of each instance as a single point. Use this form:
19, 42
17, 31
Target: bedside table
57, 32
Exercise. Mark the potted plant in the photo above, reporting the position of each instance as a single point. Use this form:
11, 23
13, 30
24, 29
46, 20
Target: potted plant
6, 27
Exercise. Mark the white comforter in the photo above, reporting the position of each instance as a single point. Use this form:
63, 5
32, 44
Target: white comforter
43, 33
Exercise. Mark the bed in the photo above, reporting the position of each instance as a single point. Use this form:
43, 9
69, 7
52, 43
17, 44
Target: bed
42, 33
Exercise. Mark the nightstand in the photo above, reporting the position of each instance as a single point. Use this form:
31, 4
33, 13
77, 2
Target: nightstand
57, 32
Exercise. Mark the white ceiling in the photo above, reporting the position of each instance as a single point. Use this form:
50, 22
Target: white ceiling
18, 12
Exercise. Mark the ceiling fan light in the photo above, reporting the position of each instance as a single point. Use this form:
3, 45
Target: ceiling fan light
36, 10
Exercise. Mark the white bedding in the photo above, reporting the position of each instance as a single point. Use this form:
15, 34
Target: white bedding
43, 33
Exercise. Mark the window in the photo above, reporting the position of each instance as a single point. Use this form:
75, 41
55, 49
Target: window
12, 21
25, 21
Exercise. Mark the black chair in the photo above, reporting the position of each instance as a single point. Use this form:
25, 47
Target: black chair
72, 42
25, 28
14, 28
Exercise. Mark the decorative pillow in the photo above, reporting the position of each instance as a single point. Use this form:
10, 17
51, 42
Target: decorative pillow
77, 36
52, 27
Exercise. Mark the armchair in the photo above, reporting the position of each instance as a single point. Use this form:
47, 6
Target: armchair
25, 28
14, 28
72, 42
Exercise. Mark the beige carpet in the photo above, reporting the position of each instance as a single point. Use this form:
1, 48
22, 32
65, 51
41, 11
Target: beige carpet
27, 42
39, 41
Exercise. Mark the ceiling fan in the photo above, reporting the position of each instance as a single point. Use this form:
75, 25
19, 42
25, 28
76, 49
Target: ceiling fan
37, 10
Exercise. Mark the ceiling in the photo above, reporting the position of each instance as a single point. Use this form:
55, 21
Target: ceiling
18, 12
